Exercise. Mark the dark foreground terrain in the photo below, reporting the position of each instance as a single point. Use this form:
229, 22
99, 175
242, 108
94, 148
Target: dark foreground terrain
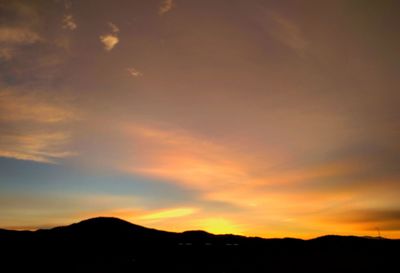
113, 245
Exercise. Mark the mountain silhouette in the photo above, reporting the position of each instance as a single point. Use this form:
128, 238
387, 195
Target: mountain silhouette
106, 228
107, 244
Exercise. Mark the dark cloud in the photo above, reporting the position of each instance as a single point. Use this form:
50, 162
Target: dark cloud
383, 219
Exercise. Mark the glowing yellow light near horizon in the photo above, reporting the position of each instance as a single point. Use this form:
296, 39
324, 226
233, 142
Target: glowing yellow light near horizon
171, 213
219, 226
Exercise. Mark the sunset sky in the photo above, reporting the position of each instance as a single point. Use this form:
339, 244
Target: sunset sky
261, 118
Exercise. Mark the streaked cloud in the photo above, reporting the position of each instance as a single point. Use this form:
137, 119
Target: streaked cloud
282, 28
168, 213
18, 35
39, 147
31, 107
222, 174
287, 32
13, 37
166, 6
181, 157
69, 22
24, 132
368, 219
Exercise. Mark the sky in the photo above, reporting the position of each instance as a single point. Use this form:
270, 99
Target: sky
260, 118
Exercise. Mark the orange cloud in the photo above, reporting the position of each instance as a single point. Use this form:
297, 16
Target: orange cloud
181, 157
215, 168
69, 22
34, 107
18, 35
109, 41
169, 213
165, 6
134, 72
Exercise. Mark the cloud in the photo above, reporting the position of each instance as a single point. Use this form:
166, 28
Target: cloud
6, 53
218, 172
46, 147
16, 107
283, 29
33, 127
18, 30
109, 41
181, 157
377, 215
69, 22
166, 6
369, 219
34, 123
113, 27
273, 188
18, 36
169, 213
288, 33
134, 72
21, 30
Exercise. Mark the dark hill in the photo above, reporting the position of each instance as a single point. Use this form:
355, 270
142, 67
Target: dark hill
113, 245
103, 224
102, 228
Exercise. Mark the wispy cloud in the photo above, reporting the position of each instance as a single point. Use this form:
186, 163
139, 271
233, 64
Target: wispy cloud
169, 213
69, 22
367, 219
40, 147
20, 30
283, 29
166, 6
113, 27
31, 108
181, 157
18, 35
288, 33
219, 173
376, 217
32, 127
134, 72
